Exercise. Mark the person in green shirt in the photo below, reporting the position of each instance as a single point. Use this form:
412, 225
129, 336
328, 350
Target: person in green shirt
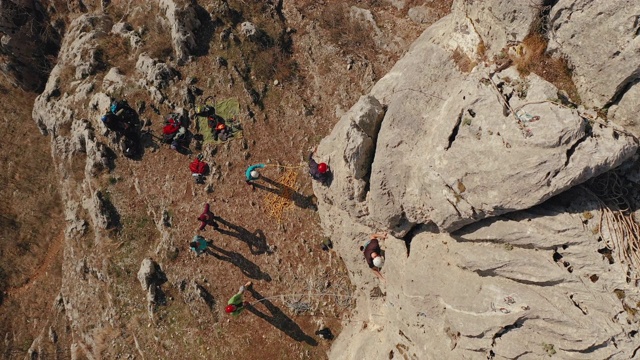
235, 305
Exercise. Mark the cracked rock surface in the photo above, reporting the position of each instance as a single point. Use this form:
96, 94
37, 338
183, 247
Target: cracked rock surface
497, 250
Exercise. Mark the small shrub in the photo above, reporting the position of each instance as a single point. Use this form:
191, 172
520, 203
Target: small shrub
344, 31
549, 349
531, 57
462, 61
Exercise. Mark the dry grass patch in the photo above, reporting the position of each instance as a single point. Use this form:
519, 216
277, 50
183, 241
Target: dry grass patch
531, 57
463, 61
343, 30
440, 7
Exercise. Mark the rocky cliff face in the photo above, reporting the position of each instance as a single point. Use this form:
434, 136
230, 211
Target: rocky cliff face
160, 56
489, 176
440, 143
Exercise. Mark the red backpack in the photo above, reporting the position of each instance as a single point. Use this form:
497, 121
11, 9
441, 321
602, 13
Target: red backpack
171, 125
197, 166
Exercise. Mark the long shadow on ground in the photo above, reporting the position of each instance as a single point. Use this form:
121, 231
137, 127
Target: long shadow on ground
256, 240
300, 200
279, 319
248, 268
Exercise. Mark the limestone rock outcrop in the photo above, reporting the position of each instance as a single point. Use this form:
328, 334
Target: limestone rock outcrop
464, 163
600, 41
183, 21
466, 153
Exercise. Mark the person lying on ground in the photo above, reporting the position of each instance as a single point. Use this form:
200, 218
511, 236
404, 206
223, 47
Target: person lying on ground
252, 174
207, 218
235, 305
222, 132
198, 245
371, 250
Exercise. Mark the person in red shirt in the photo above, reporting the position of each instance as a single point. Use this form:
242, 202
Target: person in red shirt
207, 218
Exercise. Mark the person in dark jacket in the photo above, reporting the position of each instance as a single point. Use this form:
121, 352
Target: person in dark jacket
319, 172
371, 250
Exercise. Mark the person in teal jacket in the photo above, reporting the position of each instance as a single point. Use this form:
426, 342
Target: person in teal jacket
198, 244
252, 174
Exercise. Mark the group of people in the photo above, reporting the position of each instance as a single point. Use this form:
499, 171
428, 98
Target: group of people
174, 132
220, 129
318, 171
118, 119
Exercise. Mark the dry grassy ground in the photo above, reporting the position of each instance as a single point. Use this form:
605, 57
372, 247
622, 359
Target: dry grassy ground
31, 222
279, 251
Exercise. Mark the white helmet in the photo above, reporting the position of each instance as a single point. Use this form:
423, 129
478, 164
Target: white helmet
255, 174
378, 262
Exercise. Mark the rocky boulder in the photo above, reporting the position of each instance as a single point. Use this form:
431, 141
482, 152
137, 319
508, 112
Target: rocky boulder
530, 285
468, 166
459, 151
184, 21
155, 73
600, 41
626, 111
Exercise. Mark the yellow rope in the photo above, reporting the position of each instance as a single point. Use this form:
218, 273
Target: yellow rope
284, 166
277, 203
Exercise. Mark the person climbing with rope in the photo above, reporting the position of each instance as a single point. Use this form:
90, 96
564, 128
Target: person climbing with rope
319, 172
207, 218
236, 305
372, 251
252, 174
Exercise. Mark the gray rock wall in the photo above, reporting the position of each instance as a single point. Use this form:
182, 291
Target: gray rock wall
600, 41
491, 148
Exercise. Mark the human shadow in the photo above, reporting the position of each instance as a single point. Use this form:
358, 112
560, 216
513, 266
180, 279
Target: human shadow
248, 268
149, 140
300, 200
126, 126
206, 296
279, 319
256, 240
158, 296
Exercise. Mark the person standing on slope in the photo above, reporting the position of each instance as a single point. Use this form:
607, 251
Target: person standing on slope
252, 174
207, 218
236, 305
